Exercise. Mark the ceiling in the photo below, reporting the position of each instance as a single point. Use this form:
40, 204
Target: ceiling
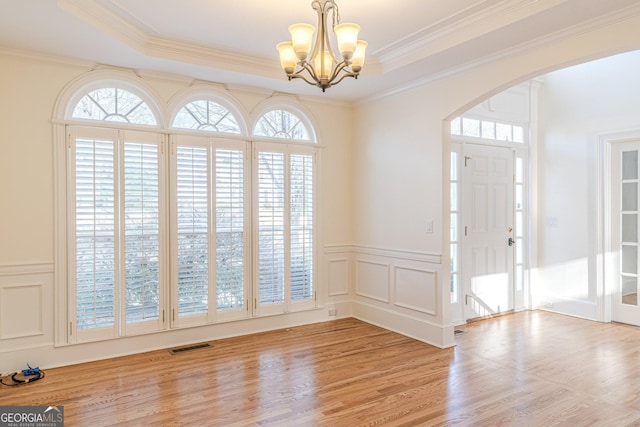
233, 42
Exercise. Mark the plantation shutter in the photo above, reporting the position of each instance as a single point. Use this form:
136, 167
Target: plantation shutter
192, 191
117, 253
230, 233
141, 232
95, 233
271, 228
301, 227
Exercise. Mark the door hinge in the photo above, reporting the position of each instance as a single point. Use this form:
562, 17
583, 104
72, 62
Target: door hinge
255, 303
465, 230
70, 328
173, 315
466, 300
162, 316
466, 159
315, 296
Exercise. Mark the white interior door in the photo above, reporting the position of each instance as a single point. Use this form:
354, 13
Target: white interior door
487, 252
625, 190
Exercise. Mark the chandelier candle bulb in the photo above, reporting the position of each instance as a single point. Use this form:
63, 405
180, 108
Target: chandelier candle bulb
347, 36
357, 62
287, 56
302, 39
312, 59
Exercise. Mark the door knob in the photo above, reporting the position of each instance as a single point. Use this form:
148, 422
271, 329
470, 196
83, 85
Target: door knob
511, 241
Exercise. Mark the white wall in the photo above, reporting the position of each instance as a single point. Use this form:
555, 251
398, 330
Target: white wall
401, 167
577, 105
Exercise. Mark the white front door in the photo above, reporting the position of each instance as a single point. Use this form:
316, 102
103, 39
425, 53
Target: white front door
625, 192
487, 253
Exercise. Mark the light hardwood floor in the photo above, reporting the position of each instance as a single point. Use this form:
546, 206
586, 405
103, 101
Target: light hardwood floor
523, 369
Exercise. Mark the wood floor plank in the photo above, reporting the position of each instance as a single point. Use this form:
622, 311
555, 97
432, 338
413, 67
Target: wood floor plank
523, 369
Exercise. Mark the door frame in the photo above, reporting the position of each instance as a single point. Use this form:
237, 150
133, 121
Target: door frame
606, 269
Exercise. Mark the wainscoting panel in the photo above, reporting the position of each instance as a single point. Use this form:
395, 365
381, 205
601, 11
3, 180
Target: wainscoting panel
372, 280
21, 311
416, 289
26, 306
338, 271
400, 290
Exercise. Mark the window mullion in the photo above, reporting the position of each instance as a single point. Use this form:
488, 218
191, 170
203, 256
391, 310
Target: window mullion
213, 226
119, 308
287, 230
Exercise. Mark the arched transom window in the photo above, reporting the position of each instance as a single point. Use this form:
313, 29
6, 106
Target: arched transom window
115, 105
207, 116
281, 124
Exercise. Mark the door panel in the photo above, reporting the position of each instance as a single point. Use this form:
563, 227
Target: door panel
625, 176
487, 257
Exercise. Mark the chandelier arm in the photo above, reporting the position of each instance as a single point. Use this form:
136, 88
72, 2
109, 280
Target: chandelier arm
312, 72
354, 75
301, 76
339, 67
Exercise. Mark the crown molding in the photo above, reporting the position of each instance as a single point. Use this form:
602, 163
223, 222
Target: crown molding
105, 20
146, 41
466, 25
595, 24
47, 57
207, 56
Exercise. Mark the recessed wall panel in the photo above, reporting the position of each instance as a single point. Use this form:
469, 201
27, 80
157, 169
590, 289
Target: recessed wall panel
372, 280
416, 289
338, 277
21, 311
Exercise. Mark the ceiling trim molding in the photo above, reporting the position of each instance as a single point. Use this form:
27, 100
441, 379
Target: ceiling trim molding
112, 23
466, 25
595, 24
472, 22
105, 20
47, 57
202, 55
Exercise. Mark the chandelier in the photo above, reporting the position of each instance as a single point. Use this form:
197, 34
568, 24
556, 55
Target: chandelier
323, 68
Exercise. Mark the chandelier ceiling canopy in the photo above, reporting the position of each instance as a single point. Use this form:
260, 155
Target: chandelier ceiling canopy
314, 61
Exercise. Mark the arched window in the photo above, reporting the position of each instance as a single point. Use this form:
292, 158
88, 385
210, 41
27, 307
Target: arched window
206, 115
116, 187
114, 104
285, 205
158, 220
281, 124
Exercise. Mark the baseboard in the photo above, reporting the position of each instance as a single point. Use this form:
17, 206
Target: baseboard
422, 330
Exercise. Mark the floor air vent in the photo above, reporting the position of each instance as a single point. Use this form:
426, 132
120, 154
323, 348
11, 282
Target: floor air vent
459, 331
181, 350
